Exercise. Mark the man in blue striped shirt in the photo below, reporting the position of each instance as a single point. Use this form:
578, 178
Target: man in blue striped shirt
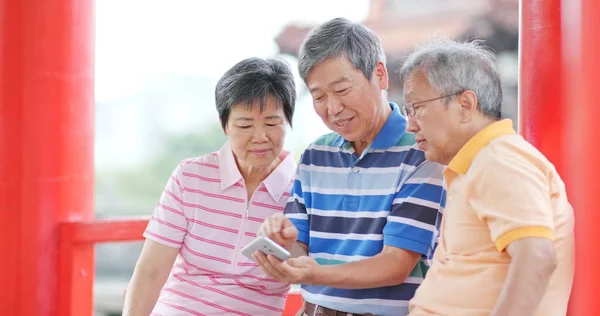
363, 214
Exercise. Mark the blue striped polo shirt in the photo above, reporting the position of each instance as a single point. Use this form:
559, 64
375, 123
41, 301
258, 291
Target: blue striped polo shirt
347, 207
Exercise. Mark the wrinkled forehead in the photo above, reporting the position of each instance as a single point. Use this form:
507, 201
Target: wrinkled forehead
416, 84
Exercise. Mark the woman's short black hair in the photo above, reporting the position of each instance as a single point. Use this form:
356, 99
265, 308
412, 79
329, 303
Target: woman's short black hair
252, 81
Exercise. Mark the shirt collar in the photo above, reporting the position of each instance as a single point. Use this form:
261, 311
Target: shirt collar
462, 161
389, 135
228, 170
276, 183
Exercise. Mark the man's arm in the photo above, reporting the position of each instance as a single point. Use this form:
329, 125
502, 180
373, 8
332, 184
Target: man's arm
390, 267
533, 260
512, 195
409, 234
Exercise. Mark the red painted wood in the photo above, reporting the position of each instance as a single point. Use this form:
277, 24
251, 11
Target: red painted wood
46, 148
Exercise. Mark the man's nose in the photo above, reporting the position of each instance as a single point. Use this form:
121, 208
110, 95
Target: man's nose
334, 107
412, 126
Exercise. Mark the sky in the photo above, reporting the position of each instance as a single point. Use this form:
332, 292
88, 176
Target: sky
140, 39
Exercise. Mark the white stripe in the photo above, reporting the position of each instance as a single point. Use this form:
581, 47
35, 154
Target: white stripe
331, 149
327, 256
396, 149
417, 201
351, 301
368, 170
295, 197
322, 169
345, 191
346, 236
411, 222
429, 180
299, 216
349, 214
413, 280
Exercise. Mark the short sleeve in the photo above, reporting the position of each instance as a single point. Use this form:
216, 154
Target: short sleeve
512, 195
295, 208
413, 222
168, 224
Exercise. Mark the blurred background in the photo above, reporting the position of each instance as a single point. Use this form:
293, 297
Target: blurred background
157, 63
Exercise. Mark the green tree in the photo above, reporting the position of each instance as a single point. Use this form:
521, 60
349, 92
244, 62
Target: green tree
136, 191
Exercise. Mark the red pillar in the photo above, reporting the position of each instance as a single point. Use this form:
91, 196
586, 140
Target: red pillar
46, 147
581, 110
541, 111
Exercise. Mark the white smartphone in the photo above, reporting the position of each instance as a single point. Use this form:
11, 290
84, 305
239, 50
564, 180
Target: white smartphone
266, 246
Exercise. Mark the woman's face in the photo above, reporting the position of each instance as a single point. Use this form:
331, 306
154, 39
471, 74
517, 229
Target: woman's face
256, 137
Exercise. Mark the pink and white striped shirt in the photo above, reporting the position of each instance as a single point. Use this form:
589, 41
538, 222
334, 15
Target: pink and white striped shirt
204, 211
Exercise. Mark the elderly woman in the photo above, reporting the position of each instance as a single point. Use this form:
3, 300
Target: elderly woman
213, 205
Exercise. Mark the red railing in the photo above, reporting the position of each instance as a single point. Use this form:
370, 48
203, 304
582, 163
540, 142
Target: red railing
77, 240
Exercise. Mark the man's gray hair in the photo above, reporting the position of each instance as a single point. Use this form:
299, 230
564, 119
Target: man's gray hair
452, 67
341, 37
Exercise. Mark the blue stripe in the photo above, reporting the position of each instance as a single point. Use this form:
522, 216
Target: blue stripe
409, 232
322, 158
346, 247
423, 214
365, 203
424, 191
344, 225
404, 291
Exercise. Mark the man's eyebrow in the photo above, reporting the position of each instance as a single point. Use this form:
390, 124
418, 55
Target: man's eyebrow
338, 80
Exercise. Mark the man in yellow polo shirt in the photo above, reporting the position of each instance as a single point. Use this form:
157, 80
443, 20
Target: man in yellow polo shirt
506, 245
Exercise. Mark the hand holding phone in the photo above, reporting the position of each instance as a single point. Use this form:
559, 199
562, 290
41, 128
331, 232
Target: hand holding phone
266, 246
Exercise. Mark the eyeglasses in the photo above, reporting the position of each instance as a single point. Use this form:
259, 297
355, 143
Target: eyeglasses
409, 108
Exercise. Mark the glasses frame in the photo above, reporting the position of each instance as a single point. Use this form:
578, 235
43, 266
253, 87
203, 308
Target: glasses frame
409, 108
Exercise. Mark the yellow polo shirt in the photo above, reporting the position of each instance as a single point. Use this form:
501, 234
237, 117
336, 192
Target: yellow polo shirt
499, 189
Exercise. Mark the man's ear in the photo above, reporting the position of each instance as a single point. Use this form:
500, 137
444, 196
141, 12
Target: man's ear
381, 75
469, 104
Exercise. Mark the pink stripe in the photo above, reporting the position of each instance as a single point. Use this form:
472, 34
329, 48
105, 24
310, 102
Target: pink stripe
262, 287
249, 276
250, 234
176, 181
214, 280
282, 295
201, 255
217, 196
181, 308
212, 210
169, 224
264, 189
222, 228
204, 164
256, 219
169, 193
274, 207
164, 238
197, 176
170, 209
247, 264
211, 241
223, 308
198, 268
241, 299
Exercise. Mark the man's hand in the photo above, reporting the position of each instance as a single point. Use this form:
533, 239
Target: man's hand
301, 270
279, 229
